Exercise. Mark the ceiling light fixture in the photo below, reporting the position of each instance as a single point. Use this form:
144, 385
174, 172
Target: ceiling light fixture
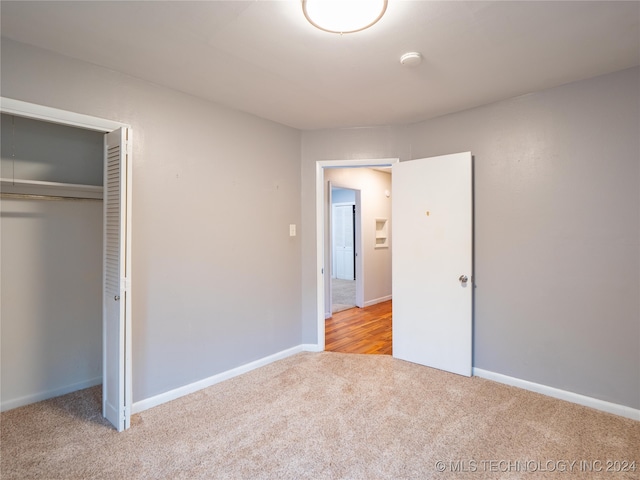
343, 16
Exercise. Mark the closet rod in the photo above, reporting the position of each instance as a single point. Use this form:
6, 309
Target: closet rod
44, 197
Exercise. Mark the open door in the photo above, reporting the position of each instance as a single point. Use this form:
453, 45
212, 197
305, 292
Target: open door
116, 319
432, 262
343, 241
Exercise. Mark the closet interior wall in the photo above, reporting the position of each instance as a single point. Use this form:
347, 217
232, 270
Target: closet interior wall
51, 261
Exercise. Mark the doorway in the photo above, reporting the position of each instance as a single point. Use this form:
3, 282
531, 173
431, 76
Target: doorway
431, 280
344, 226
116, 244
368, 263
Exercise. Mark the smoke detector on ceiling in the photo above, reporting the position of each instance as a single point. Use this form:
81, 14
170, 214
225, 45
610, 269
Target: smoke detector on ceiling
411, 59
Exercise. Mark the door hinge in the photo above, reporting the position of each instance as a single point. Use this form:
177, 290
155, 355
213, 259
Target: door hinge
125, 412
127, 142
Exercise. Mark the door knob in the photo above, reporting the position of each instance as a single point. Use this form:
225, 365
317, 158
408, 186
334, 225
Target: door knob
463, 279
116, 298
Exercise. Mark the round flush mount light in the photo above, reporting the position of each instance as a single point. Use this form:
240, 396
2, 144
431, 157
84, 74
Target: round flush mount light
343, 16
411, 59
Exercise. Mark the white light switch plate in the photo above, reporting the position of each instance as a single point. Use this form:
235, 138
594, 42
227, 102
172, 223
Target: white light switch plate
292, 230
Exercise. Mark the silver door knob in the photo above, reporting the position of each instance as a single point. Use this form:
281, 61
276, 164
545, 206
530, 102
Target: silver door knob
463, 279
116, 298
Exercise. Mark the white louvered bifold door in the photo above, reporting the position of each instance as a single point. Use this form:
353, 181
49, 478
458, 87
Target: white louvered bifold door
116, 395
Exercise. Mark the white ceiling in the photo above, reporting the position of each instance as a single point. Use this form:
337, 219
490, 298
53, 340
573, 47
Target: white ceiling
263, 57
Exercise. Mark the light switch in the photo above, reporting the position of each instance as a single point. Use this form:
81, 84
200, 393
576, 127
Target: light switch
292, 230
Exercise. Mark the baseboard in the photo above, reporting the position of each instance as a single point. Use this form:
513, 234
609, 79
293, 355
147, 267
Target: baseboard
38, 397
312, 347
375, 301
156, 400
591, 402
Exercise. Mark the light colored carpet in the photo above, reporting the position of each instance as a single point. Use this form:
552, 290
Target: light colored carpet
321, 416
343, 294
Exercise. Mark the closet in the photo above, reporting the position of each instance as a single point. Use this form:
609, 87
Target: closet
51, 263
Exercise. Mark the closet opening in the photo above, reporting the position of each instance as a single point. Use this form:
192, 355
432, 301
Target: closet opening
64, 226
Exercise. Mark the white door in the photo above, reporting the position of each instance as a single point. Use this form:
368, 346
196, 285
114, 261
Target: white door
343, 235
432, 262
116, 319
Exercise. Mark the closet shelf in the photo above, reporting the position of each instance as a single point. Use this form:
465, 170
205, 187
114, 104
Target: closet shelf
37, 187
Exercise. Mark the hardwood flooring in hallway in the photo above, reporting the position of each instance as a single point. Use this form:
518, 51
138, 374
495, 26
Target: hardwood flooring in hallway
360, 330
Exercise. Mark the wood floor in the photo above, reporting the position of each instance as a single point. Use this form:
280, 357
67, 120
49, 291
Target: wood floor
360, 330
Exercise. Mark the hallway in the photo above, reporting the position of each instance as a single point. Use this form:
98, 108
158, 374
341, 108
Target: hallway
360, 330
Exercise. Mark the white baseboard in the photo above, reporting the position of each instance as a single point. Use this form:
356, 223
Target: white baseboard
312, 347
375, 301
591, 402
156, 400
38, 397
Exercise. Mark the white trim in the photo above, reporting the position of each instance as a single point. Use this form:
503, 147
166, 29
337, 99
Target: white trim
367, 162
310, 347
572, 397
156, 400
320, 305
320, 166
359, 246
38, 397
328, 279
11, 106
375, 301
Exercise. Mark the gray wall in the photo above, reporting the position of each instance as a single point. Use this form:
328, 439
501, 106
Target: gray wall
557, 212
343, 195
44, 151
557, 220
215, 282
51, 274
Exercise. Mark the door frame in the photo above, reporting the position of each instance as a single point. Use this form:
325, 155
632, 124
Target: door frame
34, 111
320, 229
